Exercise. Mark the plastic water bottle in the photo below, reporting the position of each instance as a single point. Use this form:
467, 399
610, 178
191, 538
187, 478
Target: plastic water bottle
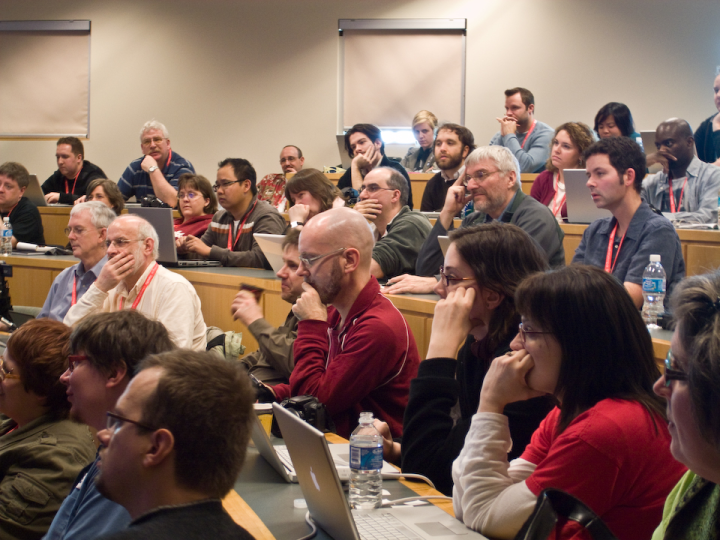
7, 232
366, 461
654, 280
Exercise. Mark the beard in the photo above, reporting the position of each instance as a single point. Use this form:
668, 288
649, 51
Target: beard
491, 202
453, 161
328, 287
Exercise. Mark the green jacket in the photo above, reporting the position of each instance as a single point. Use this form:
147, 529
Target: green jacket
397, 251
38, 467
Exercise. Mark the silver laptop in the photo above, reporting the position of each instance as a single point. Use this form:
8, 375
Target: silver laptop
444, 242
271, 245
580, 206
162, 220
279, 457
345, 158
326, 501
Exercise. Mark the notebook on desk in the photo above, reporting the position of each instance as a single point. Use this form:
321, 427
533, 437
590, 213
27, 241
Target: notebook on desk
271, 245
329, 508
580, 206
162, 220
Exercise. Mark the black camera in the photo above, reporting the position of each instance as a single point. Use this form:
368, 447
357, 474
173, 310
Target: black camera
309, 409
151, 201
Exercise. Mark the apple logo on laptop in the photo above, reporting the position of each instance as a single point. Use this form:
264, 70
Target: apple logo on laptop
312, 474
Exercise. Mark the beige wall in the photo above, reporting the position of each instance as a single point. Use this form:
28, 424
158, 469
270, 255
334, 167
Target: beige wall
244, 77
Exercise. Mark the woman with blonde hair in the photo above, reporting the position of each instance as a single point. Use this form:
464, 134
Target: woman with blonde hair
422, 159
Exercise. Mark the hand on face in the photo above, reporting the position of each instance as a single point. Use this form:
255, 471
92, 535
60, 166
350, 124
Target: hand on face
245, 308
309, 305
451, 323
299, 213
369, 208
147, 162
368, 160
115, 270
505, 382
508, 125
662, 157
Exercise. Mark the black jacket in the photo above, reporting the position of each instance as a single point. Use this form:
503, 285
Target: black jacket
57, 183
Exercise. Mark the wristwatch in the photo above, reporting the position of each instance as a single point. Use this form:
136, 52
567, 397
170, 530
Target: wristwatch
294, 224
153, 169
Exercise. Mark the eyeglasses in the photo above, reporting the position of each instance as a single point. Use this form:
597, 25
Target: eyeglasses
156, 140
224, 185
480, 175
121, 243
308, 263
190, 195
374, 188
114, 421
672, 374
448, 279
524, 333
4, 374
74, 360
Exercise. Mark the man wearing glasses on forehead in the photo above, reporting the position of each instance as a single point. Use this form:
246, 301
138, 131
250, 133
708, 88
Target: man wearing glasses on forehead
157, 173
359, 354
87, 233
229, 238
399, 231
105, 351
492, 182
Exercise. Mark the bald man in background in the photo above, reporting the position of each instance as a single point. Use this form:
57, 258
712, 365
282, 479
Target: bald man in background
370, 357
687, 188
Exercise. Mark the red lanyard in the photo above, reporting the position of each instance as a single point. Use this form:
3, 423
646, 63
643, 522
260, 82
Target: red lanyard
142, 291
13, 208
168, 161
528, 134
231, 243
672, 196
608, 258
557, 204
75, 182
74, 292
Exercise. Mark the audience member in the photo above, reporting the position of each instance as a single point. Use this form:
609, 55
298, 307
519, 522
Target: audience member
359, 355
70, 181
421, 159
24, 215
87, 232
493, 184
474, 322
399, 232
106, 192
157, 173
273, 362
132, 279
566, 152
707, 135
525, 137
309, 192
615, 169
196, 203
694, 196
606, 440
615, 120
453, 143
189, 442
105, 351
229, 238
42, 451
271, 188
365, 146
691, 388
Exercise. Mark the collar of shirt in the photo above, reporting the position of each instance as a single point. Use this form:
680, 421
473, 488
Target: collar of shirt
445, 177
80, 268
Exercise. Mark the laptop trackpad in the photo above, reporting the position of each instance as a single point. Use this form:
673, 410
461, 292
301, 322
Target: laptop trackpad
435, 528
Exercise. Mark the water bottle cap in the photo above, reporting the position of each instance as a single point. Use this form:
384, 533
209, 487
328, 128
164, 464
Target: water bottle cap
6, 219
654, 258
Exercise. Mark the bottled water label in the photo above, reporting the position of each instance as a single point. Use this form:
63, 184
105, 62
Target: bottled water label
366, 459
7, 233
653, 285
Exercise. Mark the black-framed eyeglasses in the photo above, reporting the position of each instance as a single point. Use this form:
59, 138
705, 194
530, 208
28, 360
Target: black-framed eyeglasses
224, 185
374, 188
523, 332
6, 374
114, 421
74, 360
308, 263
672, 374
448, 279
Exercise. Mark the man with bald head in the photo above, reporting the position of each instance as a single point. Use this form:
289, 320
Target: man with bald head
359, 354
686, 189
131, 279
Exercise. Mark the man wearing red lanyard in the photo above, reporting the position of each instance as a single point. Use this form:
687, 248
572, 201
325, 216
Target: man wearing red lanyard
73, 174
622, 244
687, 188
527, 138
131, 279
24, 216
229, 238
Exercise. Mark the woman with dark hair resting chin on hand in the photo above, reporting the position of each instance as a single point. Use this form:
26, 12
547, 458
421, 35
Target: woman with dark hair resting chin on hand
607, 443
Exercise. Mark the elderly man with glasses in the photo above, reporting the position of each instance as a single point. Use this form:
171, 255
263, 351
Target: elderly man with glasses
399, 232
158, 171
132, 279
229, 238
105, 351
359, 354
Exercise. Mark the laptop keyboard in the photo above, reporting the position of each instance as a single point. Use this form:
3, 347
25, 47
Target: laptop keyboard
284, 456
381, 526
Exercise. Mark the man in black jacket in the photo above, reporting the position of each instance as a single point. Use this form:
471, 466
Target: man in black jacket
74, 173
